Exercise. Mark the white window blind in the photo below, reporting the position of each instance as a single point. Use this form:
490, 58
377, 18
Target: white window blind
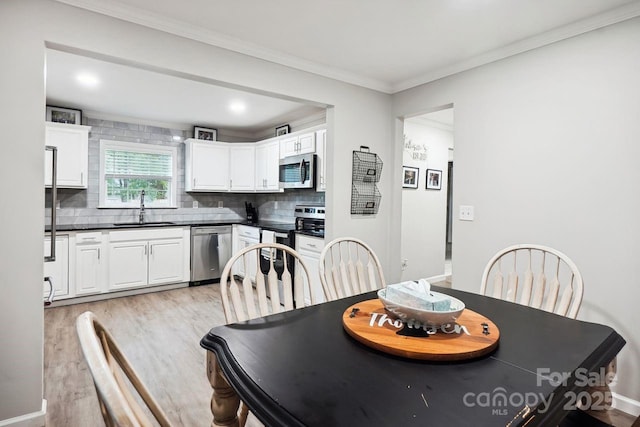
132, 164
129, 168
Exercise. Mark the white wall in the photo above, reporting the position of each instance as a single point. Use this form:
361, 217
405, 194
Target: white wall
424, 211
547, 149
357, 117
21, 215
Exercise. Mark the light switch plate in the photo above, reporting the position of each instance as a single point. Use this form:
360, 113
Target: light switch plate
466, 213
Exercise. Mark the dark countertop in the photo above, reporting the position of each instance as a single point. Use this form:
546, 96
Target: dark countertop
283, 227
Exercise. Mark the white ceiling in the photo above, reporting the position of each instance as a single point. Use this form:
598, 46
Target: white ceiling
127, 92
385, 45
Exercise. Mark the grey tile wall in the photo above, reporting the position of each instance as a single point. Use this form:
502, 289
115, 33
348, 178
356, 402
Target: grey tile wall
81, 206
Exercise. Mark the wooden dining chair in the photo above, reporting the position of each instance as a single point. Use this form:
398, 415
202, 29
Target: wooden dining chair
250, 287
348, 266
534, 275
112, 373
256, 282
542, 277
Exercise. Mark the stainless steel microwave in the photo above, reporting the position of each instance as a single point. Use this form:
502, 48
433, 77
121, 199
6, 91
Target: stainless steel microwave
298, 171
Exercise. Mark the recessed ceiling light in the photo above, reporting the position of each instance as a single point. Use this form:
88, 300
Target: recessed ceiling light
238, 107
88, 80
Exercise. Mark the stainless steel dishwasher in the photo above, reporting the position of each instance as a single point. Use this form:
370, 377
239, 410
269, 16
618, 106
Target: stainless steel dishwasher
210, 251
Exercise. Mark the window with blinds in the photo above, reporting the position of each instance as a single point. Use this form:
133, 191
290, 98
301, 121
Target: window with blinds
128, 168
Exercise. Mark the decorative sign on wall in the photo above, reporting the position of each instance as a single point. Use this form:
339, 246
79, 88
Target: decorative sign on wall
417, 152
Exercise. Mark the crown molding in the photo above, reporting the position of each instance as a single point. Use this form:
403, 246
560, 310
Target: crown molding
155, 21
143, 17
620, 14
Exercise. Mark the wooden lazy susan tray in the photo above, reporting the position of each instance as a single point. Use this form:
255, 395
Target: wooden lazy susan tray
473, 335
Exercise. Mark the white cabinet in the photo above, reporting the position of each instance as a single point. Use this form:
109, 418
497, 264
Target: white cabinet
206, 166
58, 270
244, 236
212, 166
309, 249
321, 156
72, 142
163, 267
298, 144
267, 166
145, 257
242, 167
90, 268
127, 265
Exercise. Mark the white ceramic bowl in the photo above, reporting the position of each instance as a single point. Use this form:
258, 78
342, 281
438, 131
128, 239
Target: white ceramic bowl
413, 315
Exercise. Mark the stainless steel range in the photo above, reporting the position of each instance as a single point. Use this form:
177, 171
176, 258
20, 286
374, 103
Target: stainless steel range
310, 219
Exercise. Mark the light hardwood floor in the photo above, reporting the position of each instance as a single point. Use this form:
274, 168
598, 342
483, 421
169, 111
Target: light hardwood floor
160, 334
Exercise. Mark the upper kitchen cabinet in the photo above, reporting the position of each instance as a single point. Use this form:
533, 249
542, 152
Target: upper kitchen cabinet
72, 142
267, 160
293, 145
242, 173
206, 166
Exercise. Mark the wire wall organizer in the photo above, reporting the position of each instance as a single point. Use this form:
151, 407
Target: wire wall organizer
365, 196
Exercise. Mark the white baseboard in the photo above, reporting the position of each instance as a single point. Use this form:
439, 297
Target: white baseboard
34, 419
110, 295
625, 404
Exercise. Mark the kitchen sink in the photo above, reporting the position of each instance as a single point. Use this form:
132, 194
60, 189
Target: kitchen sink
144, 224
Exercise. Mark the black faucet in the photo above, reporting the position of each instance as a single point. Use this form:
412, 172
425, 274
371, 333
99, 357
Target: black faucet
141, 216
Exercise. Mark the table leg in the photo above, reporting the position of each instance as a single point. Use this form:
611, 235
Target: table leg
600, 395
225, 401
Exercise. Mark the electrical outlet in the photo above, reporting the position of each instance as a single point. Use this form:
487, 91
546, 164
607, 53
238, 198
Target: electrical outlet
405, 263
466, 213
275, 205
220, 204
195, 204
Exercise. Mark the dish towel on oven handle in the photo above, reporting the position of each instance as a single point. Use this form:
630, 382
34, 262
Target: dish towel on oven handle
268, 236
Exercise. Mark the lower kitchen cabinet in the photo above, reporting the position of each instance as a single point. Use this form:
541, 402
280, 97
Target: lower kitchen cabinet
89, 266
127, 264
309, 249
163, 261
98, 262
139, 258
58, 270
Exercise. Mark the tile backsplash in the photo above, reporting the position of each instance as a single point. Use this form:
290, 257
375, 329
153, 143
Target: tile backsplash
81, 206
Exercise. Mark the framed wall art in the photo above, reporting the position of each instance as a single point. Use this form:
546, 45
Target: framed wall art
205, 133
410, 177
283, 130
64, 115
434, 179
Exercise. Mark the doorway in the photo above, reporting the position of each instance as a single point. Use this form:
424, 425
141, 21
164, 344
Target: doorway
427, 213
449, 240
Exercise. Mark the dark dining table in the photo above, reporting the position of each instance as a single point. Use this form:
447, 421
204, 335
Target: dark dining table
301, 368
